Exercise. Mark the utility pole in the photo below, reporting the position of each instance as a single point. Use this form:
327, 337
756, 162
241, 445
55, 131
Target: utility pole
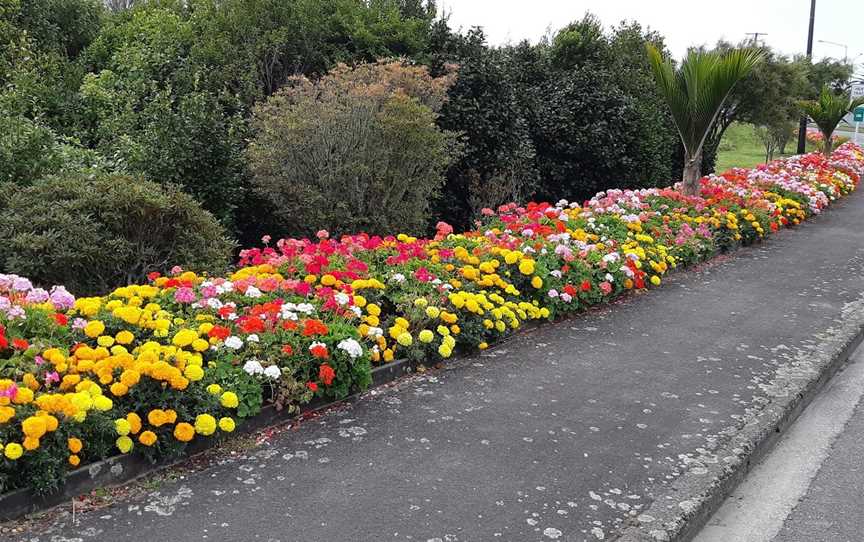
802, 126
756, 36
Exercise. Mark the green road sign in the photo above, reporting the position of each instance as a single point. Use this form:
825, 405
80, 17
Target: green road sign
858, 114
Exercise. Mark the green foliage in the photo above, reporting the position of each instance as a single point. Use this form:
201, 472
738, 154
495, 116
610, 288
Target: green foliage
147, 108
30, 151
498, 164
96, 234
336, 153
63, 26
827, 112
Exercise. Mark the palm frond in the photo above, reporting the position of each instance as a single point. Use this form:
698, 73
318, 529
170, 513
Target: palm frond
696, 91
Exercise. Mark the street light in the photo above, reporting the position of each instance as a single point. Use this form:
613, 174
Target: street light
843, 45
802, 126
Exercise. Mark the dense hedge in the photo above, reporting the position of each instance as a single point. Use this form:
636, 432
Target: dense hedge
94, 233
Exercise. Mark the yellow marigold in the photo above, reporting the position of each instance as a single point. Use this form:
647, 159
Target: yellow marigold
194, 373
74, 460
483, 346
426, 336
226, 424
119, 389
526, 266
134, 422
105, 340
124, 444
214, 389
124, 337
34, 427
655, 280
170, 416
147, 438
24, 396
184, 337
432, 312
13, 451
388, 355
122, 426
200, 345
445, 351
537, 282
94, 328
405, 339
205, 424
156, 417
75, 445
31, 443
229, 400
184, 432
328, 280
373, 309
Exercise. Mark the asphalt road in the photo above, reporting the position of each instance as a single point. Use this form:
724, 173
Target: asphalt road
811, 487
566, 433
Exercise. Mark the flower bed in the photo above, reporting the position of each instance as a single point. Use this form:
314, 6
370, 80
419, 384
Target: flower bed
148, 368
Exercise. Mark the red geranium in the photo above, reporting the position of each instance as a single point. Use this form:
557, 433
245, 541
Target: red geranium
61, 318
220, 332
312, 386
586, 285
326, 374
20, 344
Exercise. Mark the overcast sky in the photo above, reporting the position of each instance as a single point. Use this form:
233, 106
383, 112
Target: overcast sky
683, 23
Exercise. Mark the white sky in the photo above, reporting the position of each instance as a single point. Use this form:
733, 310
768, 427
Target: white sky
683, 23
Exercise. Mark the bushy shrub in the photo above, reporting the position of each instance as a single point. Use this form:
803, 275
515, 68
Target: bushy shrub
96, 234
357, 150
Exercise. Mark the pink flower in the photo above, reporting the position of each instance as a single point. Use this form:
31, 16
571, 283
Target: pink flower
606, 287
184, 295
266, 239
176, 270
322, 234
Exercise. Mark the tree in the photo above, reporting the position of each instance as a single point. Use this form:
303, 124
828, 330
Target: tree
357, 150
695, 93
827, 112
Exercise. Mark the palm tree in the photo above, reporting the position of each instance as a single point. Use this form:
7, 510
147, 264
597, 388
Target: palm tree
695, 93
827, 112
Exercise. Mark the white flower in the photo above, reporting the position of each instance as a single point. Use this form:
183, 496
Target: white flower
397, 278
357, 311
609, 277
253, 367
253, 292
234, 342
352, 347
253, 338
375, 332
214, 303
305, 308
567, 298
273, 372
342, 298
555, 273
553, 293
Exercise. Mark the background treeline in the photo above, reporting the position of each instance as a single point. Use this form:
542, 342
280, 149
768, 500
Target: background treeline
246, 106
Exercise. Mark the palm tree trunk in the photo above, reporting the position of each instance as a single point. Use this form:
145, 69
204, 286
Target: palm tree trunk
692, 172
827, 144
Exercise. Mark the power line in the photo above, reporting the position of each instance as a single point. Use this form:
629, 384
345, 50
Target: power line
756, 36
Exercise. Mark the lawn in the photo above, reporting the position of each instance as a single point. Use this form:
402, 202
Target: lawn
741, 148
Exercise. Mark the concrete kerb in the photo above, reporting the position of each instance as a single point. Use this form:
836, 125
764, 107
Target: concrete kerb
679, 512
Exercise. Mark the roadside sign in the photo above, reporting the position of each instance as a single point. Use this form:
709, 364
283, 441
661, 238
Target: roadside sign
857, 90
858, 114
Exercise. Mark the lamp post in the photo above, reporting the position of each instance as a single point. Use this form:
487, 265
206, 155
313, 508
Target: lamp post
802, 126
843, 45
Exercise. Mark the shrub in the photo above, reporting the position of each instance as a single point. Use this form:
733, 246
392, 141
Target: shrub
95, 234
356, 150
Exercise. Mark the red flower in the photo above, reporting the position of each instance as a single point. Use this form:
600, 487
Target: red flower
154, 275
287, 350
20, 344
61, 318
312, 386
314, 327
251, 324
220, 332
289, 325
586, 286
570, 290
326, 374
319, 351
